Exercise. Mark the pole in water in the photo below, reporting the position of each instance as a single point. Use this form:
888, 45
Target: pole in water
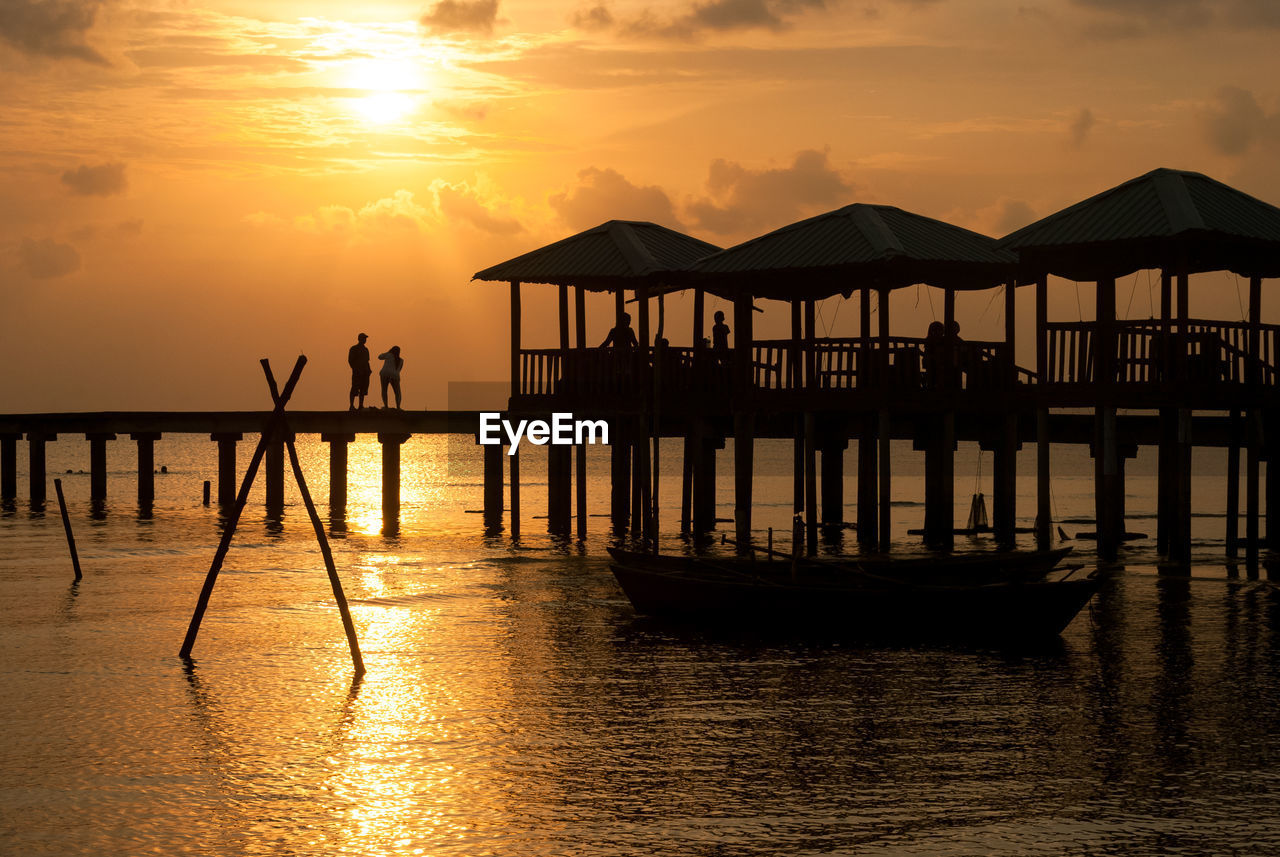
66, 525
207, 488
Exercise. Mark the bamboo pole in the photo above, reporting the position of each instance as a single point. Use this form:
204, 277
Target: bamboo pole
66, 525
274, 424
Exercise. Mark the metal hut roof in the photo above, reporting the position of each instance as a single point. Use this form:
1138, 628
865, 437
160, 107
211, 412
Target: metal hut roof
1173, 219
616, 254
879, 246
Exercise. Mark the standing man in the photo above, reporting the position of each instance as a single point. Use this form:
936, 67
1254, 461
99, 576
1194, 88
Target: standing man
358, 359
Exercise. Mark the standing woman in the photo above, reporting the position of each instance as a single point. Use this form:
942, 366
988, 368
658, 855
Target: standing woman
390, 374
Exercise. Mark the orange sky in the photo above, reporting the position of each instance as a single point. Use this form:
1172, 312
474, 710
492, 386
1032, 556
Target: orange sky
187, 186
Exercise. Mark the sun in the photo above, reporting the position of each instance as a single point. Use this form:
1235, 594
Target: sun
392, 84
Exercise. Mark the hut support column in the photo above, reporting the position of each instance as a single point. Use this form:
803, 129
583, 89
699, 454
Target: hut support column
833, 448
868, 527
1004, 502
743, 419
338, 472
1232, 535
620, 474
939, 483
811, 485
1180, 550
886, 425
1253, 459
9, 466
559, 489
580, 451
146, 467
513, 461
1044, 522
704, 479
1166, 479
1273, 495
98, 464
391, 478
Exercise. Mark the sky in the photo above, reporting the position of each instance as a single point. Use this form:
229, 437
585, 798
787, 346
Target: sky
187, 186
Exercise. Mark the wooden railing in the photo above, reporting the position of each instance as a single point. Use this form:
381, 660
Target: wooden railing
1203, 352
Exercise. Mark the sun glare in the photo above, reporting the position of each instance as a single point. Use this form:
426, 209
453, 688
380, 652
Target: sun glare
391, 84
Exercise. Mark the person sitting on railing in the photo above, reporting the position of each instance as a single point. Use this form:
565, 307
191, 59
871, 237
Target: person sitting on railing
622, 336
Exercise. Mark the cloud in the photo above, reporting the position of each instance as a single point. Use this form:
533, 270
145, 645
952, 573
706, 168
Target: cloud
700, 18
45, 259
998, 219
102, 180
461, 202
597, 17
1235, 122
1129, 18
743, 199
462, 16
1080, 127
51, 28
608, 195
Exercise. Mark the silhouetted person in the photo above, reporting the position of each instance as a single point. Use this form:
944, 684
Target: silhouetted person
720, 333
390, 373
622, 336
358, 360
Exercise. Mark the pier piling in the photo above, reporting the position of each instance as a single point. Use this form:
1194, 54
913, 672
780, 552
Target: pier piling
226, 466
146, 441
9, 465
391, 442
338, 442
493, 501
38, 489
98, 464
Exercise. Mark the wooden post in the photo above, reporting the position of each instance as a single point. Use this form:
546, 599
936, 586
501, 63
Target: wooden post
338, 442
273, 424
704, 482
620, 473
886, 425
513, 461
391, 442
1105, 470
699, 323
98, 464
564, 320
947, 483
515, 339
559, 489
1010, 329
743, 471
493, 455
1005, 493
1180, 529
9, 465
1044, 523
833, 449
275, 476
66, 525
686, 482
226, 466
1044, 509
38, 487
1166, 479
146, 467
643, 460
743, 419
868, 526
206, 492
1253, 460
948, 309
811, 483
1273, 493
1232, 535
580, 313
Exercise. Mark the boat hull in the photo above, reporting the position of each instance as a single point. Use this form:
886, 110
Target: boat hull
1000, 611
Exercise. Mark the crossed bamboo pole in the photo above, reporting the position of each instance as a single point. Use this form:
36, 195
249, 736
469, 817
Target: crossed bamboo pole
274, 428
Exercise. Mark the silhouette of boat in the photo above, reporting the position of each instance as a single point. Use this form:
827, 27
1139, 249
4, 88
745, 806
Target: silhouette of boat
850, 601
974, 567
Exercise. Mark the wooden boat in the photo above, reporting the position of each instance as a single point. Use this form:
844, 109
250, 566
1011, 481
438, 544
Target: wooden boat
956, 568
853, 604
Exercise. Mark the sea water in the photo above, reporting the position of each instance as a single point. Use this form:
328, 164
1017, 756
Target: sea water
514, 704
